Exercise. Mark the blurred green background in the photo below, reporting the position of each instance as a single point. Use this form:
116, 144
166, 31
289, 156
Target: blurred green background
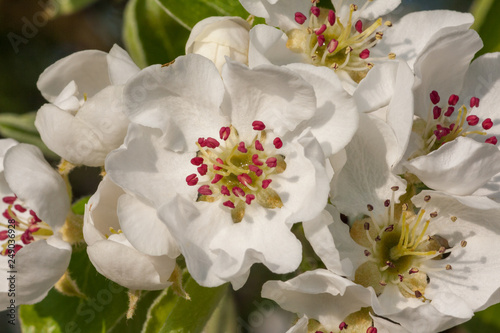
34, 34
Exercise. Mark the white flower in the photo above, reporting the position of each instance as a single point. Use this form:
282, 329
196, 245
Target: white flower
350, 40
35, 204
218, 37
230, 202
126, 241
84, 120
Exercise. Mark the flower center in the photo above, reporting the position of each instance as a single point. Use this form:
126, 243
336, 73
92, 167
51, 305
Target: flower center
23, 226
328, 42
238, 172
444, 123
397, 249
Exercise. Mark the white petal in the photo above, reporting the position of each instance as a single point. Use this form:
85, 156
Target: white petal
336, 111
67, 99
34, 181
274, 95
89, 69
319, 294
130, 268
366, 178
372, 11
39, 266
442, 66
268, 46
408, 37
300, 326
181, 97
143, 228
145, 167
121, 66
459, 167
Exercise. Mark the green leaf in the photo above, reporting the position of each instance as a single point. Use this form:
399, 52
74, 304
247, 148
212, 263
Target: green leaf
21, 127
170, 313
103, 309
65, 7
188, 14
487, 321
486, 24
151, 36
79, 206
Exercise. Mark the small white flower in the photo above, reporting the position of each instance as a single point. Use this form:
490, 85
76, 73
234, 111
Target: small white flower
34, 207
229, 162
219, 37
126, 241
84, 120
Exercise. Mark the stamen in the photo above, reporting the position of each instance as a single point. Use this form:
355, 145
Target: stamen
300, 18
259, 125
359, 26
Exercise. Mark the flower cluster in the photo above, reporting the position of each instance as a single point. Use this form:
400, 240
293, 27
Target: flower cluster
376, 136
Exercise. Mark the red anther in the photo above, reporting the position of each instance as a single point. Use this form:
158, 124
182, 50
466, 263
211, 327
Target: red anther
192, 179
37, 219
436, 111
487, 123
256, 161
6, 214
17, 247
474, 102
237, 191
272, 162
450, 111
435, 97
205, 190
321, 40
4, 235
413, 271
364, 54
259, 145
401, 277
197, 161
266, 183
249, 198
453, 100
212, 143
220, 161
300, 18
331, 17
201, 142
492, 140
320, 30
452, 126
242, 148
245, 179
342, 325
20, 208
224, 133
371, 329
359, 26
224, 190
9, 200
258, 171
332, 45
472, 120
228, 203
26, 237
315, 11
441, 131
202, 169
258, 125
277, 143
216, 179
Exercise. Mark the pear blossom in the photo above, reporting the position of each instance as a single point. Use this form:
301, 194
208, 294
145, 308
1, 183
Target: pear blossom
453, 143
84, 120
126, 241
218, 37
229, 162
351, 39
34, 207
